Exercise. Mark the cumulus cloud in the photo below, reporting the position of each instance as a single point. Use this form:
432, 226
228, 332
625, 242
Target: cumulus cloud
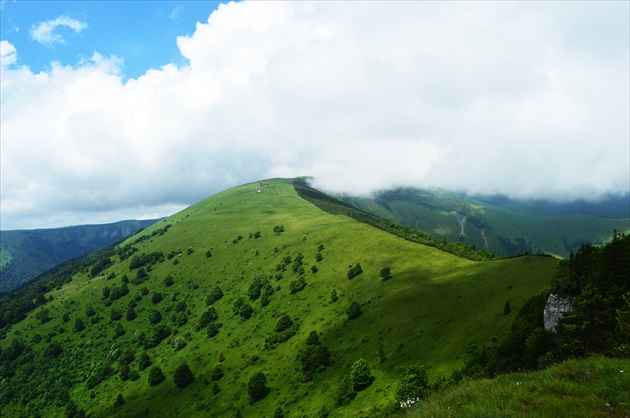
45, 32
512, 98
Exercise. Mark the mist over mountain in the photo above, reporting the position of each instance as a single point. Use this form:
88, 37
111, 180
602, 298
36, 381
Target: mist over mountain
607, 206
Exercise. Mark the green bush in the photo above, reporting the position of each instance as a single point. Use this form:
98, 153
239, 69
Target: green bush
354, 310
257, 386
413, 385
214, 296
354, 271
361, 375
155, 376
283, 323
217, 372
183, 376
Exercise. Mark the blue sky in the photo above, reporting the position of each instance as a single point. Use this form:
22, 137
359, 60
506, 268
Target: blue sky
137, 109
142, 33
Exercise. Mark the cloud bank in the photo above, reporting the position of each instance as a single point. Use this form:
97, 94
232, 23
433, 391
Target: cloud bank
523, 99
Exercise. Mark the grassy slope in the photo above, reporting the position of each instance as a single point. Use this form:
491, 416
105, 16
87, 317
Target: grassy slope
435, 213
595, 387
425, 314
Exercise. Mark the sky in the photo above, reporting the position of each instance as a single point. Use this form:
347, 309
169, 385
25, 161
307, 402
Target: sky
114, 110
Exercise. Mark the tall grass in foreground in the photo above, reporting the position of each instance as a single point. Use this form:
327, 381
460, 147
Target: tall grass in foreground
595, 387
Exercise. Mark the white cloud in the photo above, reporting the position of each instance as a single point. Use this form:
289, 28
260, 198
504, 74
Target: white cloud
45, 32
8, 55
513, 98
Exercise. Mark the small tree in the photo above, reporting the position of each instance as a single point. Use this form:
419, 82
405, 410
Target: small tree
354, 310
215, 295
413, 385
361, 375
89, 311
386, 273
183, 376
333, 296
283, 323
257, 386
217, 372
155, 316
155, 376
120, 401
78, 325
507, 308
144, 361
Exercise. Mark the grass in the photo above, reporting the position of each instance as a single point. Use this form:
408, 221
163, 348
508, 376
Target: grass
594, 387
424, 315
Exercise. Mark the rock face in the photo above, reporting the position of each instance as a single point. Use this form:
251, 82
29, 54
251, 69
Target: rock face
554, 309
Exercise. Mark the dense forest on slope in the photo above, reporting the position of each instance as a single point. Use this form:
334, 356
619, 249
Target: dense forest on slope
24, 254
253, 304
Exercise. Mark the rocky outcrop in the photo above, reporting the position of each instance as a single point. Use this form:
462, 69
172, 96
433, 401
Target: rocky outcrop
554, 309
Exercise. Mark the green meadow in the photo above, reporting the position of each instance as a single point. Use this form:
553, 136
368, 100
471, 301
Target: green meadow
424, 315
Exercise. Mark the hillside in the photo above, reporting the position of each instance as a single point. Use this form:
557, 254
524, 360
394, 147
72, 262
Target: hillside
507, 227
234, 286
24, 254
594, 387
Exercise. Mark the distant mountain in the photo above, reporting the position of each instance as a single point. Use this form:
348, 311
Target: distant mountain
612, 206
506, 226
24, 254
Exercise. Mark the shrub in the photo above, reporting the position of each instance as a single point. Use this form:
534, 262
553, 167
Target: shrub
283, 323
183, 376
115, 314
144, 361
413, 385
361, 375
217, 372
155, 316
314, 359
214, 296
131, 314
52, 350
319, 257
212, 330
78, 325
354, 310
155, 376
168, 281
257, 386
156, 298
345, 393
209, 316
297, 285
333, 296
242, 308
178, 344
386, 273
354, 271
313, 338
